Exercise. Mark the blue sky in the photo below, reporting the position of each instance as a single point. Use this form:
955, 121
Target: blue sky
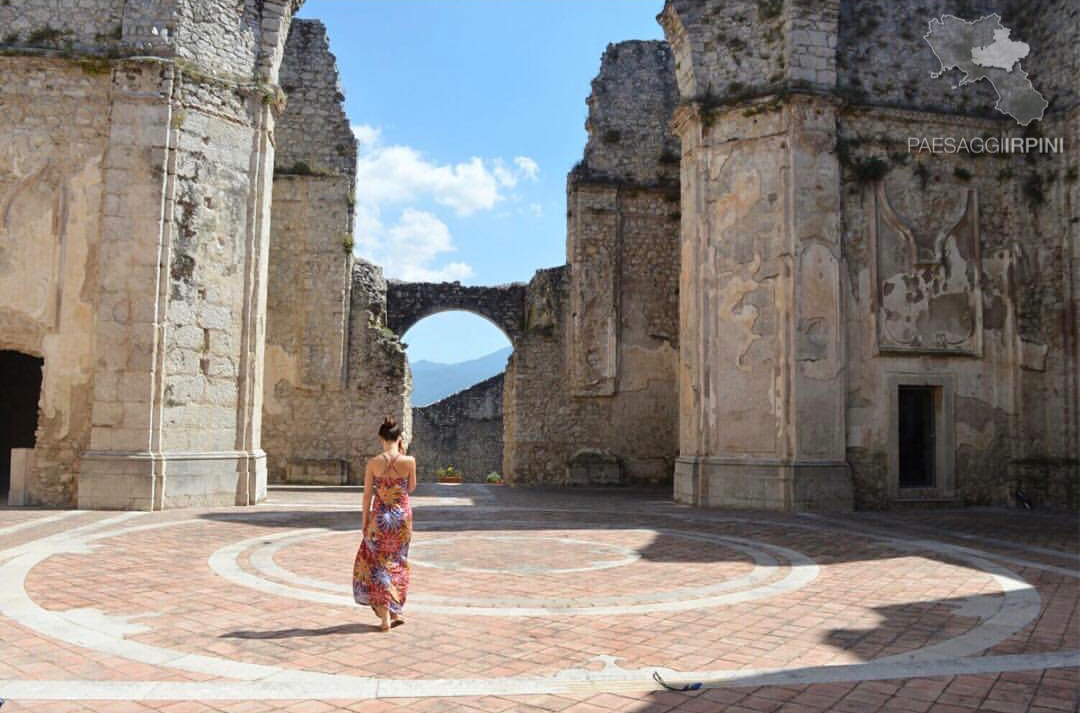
469, 115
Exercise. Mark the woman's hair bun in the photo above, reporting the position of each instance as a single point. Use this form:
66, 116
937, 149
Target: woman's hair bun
389, 430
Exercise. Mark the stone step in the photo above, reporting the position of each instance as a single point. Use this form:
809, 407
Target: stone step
925, 503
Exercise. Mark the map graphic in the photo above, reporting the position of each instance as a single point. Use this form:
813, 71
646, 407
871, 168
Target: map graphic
981, 49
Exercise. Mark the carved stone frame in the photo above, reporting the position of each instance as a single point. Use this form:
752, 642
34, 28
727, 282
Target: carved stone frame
881, 209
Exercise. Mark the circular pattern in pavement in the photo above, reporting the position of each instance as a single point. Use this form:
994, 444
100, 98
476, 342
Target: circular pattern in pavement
746, 569
517, 554
776, 570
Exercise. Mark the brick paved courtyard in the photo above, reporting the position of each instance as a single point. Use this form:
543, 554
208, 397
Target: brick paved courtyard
529, 600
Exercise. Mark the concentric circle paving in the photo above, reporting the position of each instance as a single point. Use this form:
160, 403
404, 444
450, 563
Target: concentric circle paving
740, 571
567, 600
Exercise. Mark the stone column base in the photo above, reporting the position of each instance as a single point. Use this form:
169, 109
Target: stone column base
142, 480
763, 485
21, 462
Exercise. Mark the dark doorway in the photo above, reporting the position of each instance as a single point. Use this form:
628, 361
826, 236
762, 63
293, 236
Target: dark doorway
917, 443
20, 389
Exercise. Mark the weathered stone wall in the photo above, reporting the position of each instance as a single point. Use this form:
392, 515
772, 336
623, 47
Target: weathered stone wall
167, 238
982, 305
820, 258
232, 40
635, 81
379, 379
321, 423
333, 370
883, 60
52, 151
305, 387
47, 23
313, 133
464, 430
595, 370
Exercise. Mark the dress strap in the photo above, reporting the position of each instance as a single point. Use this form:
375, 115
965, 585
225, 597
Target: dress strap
390, 464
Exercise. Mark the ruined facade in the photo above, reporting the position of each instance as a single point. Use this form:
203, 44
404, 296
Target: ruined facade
135, 163
333, 370
590, 386
860, 325
767, 293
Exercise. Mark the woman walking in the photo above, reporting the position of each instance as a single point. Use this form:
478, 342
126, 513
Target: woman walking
381, 570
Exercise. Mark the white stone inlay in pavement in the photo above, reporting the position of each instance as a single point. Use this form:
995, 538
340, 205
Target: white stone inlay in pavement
799, 572
262, 560
618, 556
35, 522
575, 681
1019, 605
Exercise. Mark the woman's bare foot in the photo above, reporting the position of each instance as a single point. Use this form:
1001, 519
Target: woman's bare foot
384, 619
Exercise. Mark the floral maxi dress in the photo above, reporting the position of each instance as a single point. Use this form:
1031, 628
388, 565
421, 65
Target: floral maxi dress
381, 569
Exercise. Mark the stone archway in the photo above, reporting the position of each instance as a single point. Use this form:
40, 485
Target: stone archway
20, 391
409, 302
457, 409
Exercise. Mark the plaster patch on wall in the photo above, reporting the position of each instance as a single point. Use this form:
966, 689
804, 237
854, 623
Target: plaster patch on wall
280, 366
928, 288
744, 194
639, 367
816, 344
731, 300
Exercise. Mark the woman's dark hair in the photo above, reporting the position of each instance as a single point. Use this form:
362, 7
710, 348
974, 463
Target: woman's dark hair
389, 430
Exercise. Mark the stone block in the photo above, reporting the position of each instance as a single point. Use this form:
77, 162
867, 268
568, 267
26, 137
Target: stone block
764, 485
594, 467
317, 471
21, 461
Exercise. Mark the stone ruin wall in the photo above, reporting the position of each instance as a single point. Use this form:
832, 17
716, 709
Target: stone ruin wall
148, 326
152, 348
778, 183
332, 369
50, 237
595, 372
464, 430
1010, 321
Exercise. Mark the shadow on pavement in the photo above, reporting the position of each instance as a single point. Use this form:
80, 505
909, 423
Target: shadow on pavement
292, 633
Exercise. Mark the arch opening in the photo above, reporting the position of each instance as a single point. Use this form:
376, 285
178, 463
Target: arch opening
20, 392
458, 360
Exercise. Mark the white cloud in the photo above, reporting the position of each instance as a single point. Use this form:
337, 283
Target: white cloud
528, 168
408, 249
395, 175
536, 209
399, 174
366, 136
503, 175
420, 237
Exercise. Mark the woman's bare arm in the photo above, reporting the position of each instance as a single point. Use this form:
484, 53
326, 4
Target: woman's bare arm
412, 476
367, 499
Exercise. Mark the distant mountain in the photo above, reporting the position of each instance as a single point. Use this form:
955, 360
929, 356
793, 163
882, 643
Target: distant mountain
433, 381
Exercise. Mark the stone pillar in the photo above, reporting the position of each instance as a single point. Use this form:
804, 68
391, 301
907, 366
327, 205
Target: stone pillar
180, 327
120, 468
761, 385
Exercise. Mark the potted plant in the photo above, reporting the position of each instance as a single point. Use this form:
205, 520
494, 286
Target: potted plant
449, 474
493, 478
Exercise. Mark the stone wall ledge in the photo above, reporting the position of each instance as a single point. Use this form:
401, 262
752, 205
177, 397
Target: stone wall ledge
767, 97
171, 455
